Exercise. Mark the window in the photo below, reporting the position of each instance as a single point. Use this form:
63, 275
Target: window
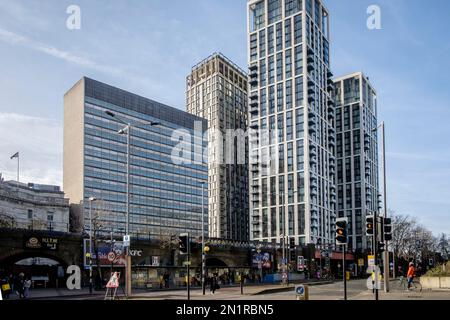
288, 59
279, 36
289, 94
273, 192
292, 7
273, 221
298, 60
298, 29
272, 131
257, 16
281, 158
289, 131
264, 192
271, 70
270, 37
253, 48
288, 33
299, 92
300, 156
280, 97
301, 218
30, 214
263, 102
262, 43
279, 67
299, 123
271, 100
280, 128
356, 117
274, 11
290, 188
290, 157
281, 188
291, 220
348, 170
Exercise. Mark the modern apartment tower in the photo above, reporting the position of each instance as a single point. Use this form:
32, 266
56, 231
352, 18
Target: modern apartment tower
357, 154
292, 172
216, 90
165, 190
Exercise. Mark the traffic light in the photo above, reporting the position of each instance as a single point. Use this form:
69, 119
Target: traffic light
387, 229
341, 231
292, 251
369, 225
381, 247
183, 241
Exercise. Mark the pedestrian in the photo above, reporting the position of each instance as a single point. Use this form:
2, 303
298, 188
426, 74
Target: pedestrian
166, 279
214, 285
411, 274
27, 286
19, 285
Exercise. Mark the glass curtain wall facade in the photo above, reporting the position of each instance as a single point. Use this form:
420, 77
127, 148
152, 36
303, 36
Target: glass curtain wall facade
292, 174
216, 90
357, 154
165, 197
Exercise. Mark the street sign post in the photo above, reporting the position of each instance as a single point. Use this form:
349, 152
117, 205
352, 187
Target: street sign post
126, 241
111, 256
302, 292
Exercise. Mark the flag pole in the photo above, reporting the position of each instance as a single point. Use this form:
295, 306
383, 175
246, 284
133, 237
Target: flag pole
18, 156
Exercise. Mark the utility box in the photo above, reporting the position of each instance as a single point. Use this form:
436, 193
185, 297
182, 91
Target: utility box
302, 292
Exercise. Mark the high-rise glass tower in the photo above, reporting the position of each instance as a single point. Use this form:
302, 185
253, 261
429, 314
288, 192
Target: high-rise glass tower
357, 154
292, 172
216, 90
165, 190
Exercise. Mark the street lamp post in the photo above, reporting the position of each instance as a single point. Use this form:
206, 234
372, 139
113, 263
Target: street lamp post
203, 244
285, 238
91, 199
127, 131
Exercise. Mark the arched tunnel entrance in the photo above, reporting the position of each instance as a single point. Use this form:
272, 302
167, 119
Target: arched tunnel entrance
43, 269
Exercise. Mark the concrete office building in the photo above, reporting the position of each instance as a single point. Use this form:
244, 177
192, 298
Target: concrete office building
166, 195
357, 154
33, 207
292, 173
217, 91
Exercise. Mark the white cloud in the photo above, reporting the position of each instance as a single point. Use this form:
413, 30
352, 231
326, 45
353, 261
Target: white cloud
16, 39
39, 141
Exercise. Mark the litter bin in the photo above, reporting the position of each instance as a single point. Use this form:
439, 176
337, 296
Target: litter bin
347, 275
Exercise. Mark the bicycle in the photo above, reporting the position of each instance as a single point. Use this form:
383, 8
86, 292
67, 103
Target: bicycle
414, 287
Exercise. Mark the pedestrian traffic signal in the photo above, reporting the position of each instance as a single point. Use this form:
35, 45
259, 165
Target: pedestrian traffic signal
381, 247
341, 231
183, 241
369, 225
387, 229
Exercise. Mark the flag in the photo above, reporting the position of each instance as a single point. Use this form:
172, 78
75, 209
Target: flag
16, 155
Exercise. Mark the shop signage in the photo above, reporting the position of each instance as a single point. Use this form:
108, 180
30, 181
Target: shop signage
36, 242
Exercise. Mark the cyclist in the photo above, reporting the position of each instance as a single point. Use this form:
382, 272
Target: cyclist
411, 274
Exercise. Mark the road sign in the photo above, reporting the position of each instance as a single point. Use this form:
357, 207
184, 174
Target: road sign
114, 281
187, 263
371, 260
111, 256
360, 262
302, 292
126, 241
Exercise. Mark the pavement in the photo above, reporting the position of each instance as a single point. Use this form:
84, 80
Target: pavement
356, 290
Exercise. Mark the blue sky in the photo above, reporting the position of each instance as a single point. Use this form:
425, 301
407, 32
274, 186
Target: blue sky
148, 47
